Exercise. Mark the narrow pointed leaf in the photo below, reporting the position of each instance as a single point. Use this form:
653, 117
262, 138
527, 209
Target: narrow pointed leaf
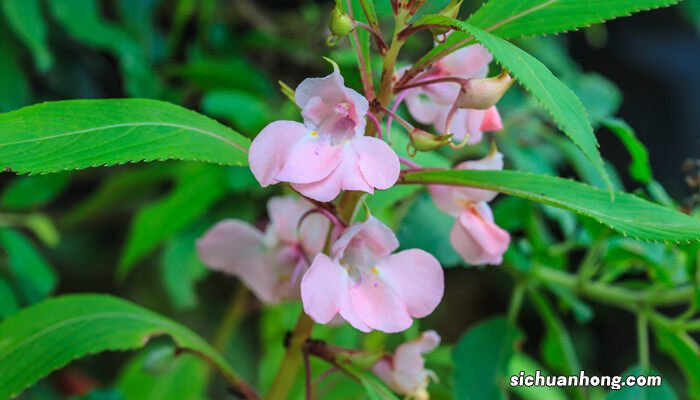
566, 109
627, 214
77, 134
49, 335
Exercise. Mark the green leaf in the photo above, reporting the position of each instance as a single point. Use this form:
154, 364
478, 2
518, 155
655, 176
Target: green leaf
183, 378
247, 112
77, 134
627, 214
83, 21
639, 168
182, 269
521, 362
514, 18
33, 191
25, 19
374, 388
665, 391
196, 190
566, 109
234, 73
15, 91
35, 277
370, 13
481, 359
49, 335
685, 353
8, 300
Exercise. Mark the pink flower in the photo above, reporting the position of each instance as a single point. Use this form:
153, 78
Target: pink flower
270, 264
404, 372
328, 152
431, 104
474, 235
367, 285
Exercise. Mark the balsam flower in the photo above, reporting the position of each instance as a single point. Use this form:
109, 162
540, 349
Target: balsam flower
271, 263
430, 104
367, 285
404, 372
475, 235
328, 152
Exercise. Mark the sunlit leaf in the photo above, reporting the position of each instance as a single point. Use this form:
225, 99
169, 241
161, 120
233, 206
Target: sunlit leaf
76, 134
49, 335
627, 214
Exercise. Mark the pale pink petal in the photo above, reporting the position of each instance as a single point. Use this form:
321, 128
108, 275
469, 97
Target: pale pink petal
237, 248
285, 213
346, 176
477, 238
314, 230
422, 108
490, 162
329, 88
322, 288
492, 120
378, 305
409, 365
383, 369
371, 234
443, 93
468, 62
270, 148
446, 200
310, 160
417, 279
378, 163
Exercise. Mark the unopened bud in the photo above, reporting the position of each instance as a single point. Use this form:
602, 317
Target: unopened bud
425, 141
451, 11
340, 24
484, 93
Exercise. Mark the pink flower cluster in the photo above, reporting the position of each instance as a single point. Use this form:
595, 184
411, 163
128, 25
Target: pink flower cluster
404, 371
431, 104
328, 152
361, 279
475, 235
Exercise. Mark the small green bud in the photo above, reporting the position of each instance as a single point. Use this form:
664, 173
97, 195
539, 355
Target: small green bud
451, 11
425, 141
340, 24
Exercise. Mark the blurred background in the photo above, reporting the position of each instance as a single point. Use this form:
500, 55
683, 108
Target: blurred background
129, 230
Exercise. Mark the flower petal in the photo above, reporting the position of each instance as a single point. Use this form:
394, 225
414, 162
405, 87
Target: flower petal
310, 160
378, 305
417, 278
378, 163
477, 238
492, 120
271, 147
409, 364
322, 288
346, 176
237, 248
372, 233
468, 62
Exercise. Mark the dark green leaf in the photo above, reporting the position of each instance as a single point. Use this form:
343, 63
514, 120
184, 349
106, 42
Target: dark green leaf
521, 362
76, 134
192, 196
627, 214
35, 277
481, 359
684, 351
49, 335
663, 392
8, 300
639, 168
25, 19
182, 269
183, 378
33, 191
248, 113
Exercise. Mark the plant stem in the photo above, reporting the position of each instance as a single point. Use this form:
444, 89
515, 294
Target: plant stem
624, 298
516, 302
292, 361
643, 340
234, 314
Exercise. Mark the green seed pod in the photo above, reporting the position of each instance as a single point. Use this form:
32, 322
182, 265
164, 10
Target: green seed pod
425, 141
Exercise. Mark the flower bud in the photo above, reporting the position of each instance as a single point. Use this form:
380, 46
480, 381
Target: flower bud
425, 141
451, 11
483, 93
340, 24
